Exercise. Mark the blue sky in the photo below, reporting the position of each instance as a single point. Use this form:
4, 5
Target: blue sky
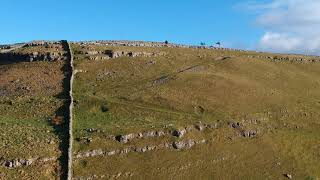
237, 24
182, 21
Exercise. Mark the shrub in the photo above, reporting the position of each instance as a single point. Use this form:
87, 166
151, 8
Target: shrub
104, 108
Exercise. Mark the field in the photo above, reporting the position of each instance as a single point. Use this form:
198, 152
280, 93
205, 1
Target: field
186, 113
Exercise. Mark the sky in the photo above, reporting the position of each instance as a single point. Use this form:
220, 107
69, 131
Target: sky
267, 25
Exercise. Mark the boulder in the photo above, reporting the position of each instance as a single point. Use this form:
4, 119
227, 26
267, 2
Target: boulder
92, 53
125, 138
149, 134
249, 133
179, 132
178, 145
190, 143
200, 127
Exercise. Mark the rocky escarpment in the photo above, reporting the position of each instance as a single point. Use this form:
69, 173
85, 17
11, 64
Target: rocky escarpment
251, 54
245, 129
20, 162
151, 44
175, 145
36, 51
287, 58
180, 132
178, 145
34, 56
111, 54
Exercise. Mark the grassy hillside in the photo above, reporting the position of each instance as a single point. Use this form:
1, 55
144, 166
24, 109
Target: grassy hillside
31, 98
260, 113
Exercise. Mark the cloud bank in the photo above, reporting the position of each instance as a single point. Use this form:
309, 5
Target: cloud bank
291, 26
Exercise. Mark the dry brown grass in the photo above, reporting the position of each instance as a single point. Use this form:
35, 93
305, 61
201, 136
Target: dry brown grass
284, 95
30, 93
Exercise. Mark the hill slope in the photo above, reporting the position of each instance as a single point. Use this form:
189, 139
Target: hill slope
189, 113
158, 111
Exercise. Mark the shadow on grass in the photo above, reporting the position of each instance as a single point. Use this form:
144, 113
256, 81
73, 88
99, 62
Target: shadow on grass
12, 58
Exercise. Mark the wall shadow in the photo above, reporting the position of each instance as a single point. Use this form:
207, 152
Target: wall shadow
12, 58
62, 128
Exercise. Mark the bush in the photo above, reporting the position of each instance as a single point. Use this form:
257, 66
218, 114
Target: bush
104, 108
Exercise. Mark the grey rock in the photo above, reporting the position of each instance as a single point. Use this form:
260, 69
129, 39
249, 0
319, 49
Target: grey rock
178, 145
91, 153
213, 126
143, 149
150, 148
190, 143
92, 52
289, 176
179, 132
111, 153
8, 164
200, 126
149, 134
189, 128
235, 125
249, 133
160, 133
126, 151
125, 138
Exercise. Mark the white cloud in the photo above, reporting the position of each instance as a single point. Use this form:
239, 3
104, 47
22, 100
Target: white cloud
290, 25
279, 42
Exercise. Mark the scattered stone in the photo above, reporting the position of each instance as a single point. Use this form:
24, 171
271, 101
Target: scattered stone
20, 162
235, 125
289, 176
151, 62
178, 145
190, 128
92, 130
212, 126
179, 132
201, 141
149, 134
183, 144
249, 133
111, 153
126, 151
200, 126
160, 133
190, 143
143, 149
125, 138
92, 52
91, 153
